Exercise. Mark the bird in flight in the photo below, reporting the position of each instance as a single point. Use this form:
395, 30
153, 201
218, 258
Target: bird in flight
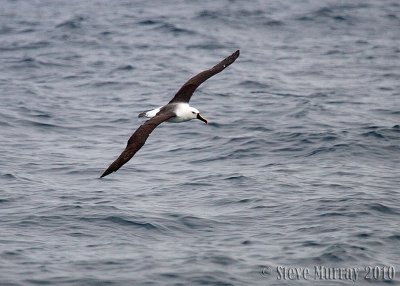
177, 110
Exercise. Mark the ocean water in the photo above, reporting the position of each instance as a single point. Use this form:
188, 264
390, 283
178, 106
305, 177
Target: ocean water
298, 167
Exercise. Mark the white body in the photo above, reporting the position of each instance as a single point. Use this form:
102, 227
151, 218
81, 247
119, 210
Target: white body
183, 112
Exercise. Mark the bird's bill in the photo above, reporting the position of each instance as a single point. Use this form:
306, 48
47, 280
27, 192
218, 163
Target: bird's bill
201, 118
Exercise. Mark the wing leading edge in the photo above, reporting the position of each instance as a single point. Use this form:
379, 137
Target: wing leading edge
137, 140
185, 92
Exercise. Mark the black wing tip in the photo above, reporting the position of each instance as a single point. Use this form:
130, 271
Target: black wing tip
231, 59
107, 172
234, 56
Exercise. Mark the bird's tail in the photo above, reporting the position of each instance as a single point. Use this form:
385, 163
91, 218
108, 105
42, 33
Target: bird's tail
143, 114
149, 113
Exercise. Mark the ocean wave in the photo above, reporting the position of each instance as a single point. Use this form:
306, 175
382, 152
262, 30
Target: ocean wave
73, 23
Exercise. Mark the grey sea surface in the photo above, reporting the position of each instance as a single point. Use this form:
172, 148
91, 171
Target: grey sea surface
297, 168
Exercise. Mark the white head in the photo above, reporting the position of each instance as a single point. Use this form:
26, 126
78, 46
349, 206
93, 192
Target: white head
186, 112
195, 114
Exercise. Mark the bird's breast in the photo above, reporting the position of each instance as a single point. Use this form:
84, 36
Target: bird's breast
178, 119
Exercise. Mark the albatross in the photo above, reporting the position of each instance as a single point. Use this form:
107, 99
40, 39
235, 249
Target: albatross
177, 110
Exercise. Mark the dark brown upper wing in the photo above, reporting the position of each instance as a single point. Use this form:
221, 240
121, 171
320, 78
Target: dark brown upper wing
185, 92
137, 140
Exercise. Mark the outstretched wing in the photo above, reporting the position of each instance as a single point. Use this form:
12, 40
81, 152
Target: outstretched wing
137, 140
185, 92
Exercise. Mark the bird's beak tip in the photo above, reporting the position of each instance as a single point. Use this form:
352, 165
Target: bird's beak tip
202, 118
